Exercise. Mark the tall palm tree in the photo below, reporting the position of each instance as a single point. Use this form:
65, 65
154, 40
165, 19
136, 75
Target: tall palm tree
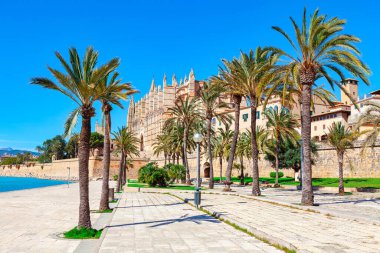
249, 76
281, 127
370, 117
113, 91
221, 144
209, 97
320, 47
341, 138
186, 113
127, 145
242, 148
79, 82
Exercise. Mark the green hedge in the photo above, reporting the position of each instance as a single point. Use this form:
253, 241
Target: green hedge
153, 175
273, 174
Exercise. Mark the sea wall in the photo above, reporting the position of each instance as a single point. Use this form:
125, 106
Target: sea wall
69, 169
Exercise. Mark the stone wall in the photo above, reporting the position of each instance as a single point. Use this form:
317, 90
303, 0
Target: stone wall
68, 169
357, 164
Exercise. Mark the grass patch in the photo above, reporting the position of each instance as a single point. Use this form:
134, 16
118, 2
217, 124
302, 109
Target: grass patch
170, 187
327, 182
104, 211
83, 233
113, 201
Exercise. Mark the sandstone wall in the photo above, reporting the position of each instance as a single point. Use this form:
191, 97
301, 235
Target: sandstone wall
68, 169
356, 164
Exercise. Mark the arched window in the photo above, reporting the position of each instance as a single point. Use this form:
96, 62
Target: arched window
141, 143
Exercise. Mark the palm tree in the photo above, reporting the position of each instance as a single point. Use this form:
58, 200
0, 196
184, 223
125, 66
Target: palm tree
242, 148
249, 76
161, 145
319, 47
209, 97
127, 144
370, 117
281, 127
221, 144
341, 138
113, 91
79, 84
186, 113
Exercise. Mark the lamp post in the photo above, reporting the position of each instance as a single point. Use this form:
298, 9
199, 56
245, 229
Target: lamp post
197, 194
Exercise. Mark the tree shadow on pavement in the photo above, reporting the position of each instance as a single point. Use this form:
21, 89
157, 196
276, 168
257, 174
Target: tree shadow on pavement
198, 219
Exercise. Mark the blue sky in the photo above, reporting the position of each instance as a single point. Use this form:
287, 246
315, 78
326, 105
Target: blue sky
151, 38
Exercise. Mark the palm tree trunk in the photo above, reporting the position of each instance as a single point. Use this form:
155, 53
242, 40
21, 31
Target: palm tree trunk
106, 163
166, 156
125, 171
307, 80
119, 179
83, 156
188, 181
211, 181
177, 158
168, 159
255, 151
276, 184
340, 164
220, 168
241, 170
237, 100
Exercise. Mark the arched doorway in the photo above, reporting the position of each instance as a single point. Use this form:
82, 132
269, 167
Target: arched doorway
206, 170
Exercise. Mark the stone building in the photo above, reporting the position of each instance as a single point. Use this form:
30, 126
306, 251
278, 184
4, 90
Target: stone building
146, 117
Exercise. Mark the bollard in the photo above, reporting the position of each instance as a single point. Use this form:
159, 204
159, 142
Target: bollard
111, 194
197, 197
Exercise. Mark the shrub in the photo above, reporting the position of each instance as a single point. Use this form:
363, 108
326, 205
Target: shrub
176, 172
159, 177
146, 172
115, 177
273, 174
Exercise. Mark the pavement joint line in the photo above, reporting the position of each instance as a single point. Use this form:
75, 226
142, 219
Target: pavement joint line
93, 245
262, 236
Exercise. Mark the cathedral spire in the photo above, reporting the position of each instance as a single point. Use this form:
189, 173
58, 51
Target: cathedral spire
152, 86
191, 75
132, 102
164, 81
174, 81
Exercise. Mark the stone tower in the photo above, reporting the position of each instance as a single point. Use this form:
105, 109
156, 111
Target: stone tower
351, 87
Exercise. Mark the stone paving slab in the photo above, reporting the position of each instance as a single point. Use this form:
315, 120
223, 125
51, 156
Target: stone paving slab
153, 222
307, 231
31, 218
362, 205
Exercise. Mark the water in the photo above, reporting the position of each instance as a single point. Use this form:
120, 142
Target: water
22, 183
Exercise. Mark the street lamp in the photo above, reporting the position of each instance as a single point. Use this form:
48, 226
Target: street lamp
197, 194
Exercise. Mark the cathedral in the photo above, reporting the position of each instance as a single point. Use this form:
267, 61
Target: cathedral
147, 116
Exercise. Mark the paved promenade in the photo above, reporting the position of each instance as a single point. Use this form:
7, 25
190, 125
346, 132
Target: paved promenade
151, 222
31, 218
306, 231
358, 205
